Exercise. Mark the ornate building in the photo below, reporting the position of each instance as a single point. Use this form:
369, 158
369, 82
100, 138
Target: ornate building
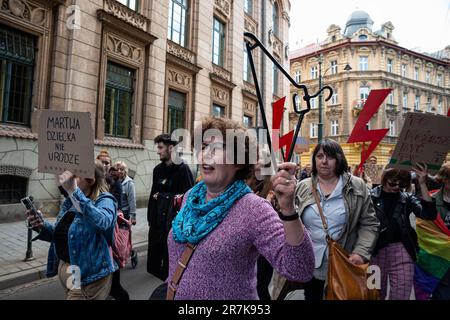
139, 67
420, 83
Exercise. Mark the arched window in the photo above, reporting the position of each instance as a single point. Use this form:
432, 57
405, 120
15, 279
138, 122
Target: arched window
275, 19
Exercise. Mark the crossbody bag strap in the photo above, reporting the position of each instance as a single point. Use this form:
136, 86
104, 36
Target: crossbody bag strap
172, 286
319, 207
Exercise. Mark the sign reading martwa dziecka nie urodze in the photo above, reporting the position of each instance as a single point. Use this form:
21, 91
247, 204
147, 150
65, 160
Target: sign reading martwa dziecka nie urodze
66, 142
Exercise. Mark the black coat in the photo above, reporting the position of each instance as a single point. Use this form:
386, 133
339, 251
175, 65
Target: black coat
406, 205
168, 181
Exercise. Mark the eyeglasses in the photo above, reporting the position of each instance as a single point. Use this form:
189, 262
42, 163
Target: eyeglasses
393, 184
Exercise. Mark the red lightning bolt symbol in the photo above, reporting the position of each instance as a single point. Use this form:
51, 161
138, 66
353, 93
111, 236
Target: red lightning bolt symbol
360, 132
286, 140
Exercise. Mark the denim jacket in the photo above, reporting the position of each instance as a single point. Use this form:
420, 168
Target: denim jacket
90, 235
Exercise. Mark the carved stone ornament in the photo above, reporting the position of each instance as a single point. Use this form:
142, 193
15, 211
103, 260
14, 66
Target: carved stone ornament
249, 25
180, 52
26, 10
124, 49
277, 46
223, 6
249, 107
249, 88
334, 112
221, 73
179, 79
126, 14
271, 36
220, 95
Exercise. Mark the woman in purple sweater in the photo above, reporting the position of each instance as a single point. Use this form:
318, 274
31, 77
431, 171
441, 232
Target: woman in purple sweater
231, 226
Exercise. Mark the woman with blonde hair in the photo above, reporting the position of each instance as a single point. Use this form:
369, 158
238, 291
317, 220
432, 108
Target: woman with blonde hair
81, 237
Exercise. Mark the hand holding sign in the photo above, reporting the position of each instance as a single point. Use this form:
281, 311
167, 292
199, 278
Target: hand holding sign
68, 182
421, 172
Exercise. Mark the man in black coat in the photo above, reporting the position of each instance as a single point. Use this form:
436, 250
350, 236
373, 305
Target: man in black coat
169, 180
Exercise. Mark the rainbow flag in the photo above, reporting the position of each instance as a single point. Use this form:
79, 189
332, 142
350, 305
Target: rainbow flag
433, 258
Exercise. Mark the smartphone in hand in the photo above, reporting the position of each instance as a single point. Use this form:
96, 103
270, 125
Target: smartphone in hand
29, 205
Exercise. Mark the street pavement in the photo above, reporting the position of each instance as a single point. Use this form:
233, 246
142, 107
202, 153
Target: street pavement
137, 282
13, 238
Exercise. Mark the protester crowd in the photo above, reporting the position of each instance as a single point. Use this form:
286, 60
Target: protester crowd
233, 232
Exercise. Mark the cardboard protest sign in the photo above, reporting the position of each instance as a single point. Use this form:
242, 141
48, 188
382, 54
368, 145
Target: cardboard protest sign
424, 138
66, 142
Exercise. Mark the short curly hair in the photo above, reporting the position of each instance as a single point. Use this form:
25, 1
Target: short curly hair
247, 169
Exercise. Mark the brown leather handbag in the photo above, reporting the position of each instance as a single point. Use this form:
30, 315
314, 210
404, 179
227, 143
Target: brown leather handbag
346, 281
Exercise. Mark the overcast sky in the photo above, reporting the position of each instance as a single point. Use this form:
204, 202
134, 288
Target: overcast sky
419, 25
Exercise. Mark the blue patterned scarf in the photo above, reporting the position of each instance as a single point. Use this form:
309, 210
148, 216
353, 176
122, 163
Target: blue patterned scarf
197, 218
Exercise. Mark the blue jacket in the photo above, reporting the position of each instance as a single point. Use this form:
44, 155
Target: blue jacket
90, 235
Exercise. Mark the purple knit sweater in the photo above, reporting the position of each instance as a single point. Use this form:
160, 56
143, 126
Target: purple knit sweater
224, 264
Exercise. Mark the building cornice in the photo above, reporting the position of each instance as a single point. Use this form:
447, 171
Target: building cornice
350, 43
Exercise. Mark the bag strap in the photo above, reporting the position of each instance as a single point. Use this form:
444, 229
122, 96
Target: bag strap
322, 216
172, 286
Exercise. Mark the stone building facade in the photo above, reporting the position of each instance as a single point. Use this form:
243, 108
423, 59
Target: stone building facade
420, 83
140, 68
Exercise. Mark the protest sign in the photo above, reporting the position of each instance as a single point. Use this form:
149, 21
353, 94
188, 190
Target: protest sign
66, 142
424, 138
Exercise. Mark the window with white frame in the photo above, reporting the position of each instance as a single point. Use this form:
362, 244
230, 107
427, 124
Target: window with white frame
247, 121
248, 7
314, 103
439, 80
334, 127
247, 71
392, 128
439, 106
275, 79
364, 92
298, 76
427, 77
405, 100
334, 67
404, 70
132, 4
218, 53
314, 72
363, 63
177, 27
313, 130
417, 103
429, 106
390, 65
391, 98
416, 74
275, 19
334, 98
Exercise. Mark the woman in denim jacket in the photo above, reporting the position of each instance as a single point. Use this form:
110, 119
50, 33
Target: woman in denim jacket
81, 237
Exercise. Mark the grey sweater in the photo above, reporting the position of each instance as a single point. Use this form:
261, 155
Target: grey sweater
128, 197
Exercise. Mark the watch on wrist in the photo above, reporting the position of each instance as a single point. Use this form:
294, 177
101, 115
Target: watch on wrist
290, 217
